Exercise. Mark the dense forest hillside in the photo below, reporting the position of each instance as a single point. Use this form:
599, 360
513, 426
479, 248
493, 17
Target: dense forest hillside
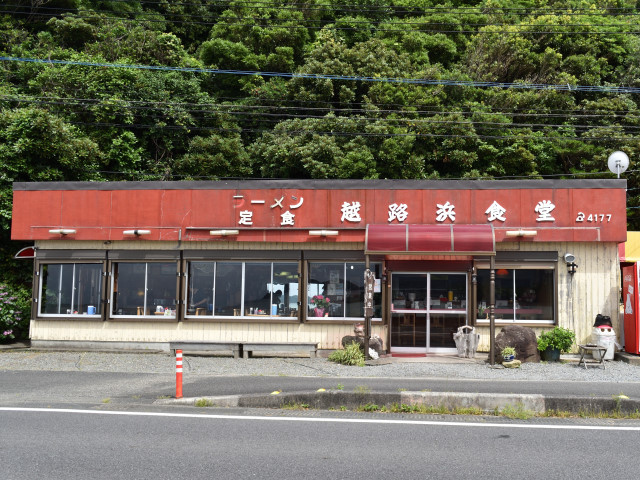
201, 89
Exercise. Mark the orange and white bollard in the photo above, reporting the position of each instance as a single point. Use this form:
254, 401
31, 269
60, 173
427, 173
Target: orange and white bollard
178, 373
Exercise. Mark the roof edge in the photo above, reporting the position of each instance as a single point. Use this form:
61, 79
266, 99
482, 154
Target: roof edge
329, 184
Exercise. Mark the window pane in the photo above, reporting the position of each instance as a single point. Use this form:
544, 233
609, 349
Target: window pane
257, 291
443, 326
325, 280
161, 287
129, 285
409, 330
87, 287
448, 291
285, 281
200, 291
409, 291
354, 300
56, 289
535, 293
504, 294
377, 296
228, 289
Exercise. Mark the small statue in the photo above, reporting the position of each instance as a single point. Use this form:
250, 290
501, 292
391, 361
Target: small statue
358, 329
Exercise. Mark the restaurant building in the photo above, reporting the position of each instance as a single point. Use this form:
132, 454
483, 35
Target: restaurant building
142, 264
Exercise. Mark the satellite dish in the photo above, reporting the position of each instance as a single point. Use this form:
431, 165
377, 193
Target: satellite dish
618, 162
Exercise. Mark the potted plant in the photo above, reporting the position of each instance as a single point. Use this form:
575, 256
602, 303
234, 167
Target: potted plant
508, 353
320, 304
552, 342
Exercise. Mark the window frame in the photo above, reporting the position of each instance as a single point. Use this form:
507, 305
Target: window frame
306, 307
515, 265
40, 285
152, 315
242, 316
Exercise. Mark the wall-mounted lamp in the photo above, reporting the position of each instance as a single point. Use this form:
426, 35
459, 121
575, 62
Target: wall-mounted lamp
521, 233
62, 231
137, 233
323, 233
570, 260
224, 233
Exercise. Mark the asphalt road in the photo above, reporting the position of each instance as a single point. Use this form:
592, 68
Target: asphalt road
200, 443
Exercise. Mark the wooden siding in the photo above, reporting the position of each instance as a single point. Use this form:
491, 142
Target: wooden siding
329, 336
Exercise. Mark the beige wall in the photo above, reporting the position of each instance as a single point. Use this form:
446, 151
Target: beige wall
328, 336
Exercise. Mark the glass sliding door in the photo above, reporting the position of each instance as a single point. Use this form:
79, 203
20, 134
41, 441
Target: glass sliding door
447, 309
426, 310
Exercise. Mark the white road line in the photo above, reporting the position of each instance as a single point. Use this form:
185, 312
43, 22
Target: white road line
323, 420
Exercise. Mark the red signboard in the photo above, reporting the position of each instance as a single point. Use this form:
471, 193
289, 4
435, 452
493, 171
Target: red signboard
264, 211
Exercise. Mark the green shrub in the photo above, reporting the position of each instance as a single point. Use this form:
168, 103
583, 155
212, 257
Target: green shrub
558, 337
351, 355
14, 313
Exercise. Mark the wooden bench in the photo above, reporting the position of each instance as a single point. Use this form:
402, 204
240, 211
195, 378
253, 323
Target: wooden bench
229, 347
292, 347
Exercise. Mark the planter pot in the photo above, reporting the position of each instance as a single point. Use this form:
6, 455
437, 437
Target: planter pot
318, 312
508, 358
550, 354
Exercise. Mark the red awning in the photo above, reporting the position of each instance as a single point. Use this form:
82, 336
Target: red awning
26, 252
430, 239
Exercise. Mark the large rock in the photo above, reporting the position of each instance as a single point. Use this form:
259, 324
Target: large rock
375, 342
523, 339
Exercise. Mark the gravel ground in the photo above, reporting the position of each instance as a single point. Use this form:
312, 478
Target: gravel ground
616, 371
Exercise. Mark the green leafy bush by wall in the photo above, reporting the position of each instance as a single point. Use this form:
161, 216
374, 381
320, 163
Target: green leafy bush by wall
14, 313
351, 355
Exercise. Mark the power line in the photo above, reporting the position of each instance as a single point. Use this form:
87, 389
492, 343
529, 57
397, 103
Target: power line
480, 177
395, 9
278, 104
246, 113
333, 133
242, 113
311, 76
163, 15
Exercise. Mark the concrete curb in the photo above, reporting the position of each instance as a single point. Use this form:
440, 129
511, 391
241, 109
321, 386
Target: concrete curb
487, 402
15, 346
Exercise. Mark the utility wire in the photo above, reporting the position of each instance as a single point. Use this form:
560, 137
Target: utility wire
333, 133
390, 9
163, 18
273, 117
311, 76
278, 104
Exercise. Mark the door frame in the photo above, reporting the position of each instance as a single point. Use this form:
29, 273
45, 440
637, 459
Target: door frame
427, 310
